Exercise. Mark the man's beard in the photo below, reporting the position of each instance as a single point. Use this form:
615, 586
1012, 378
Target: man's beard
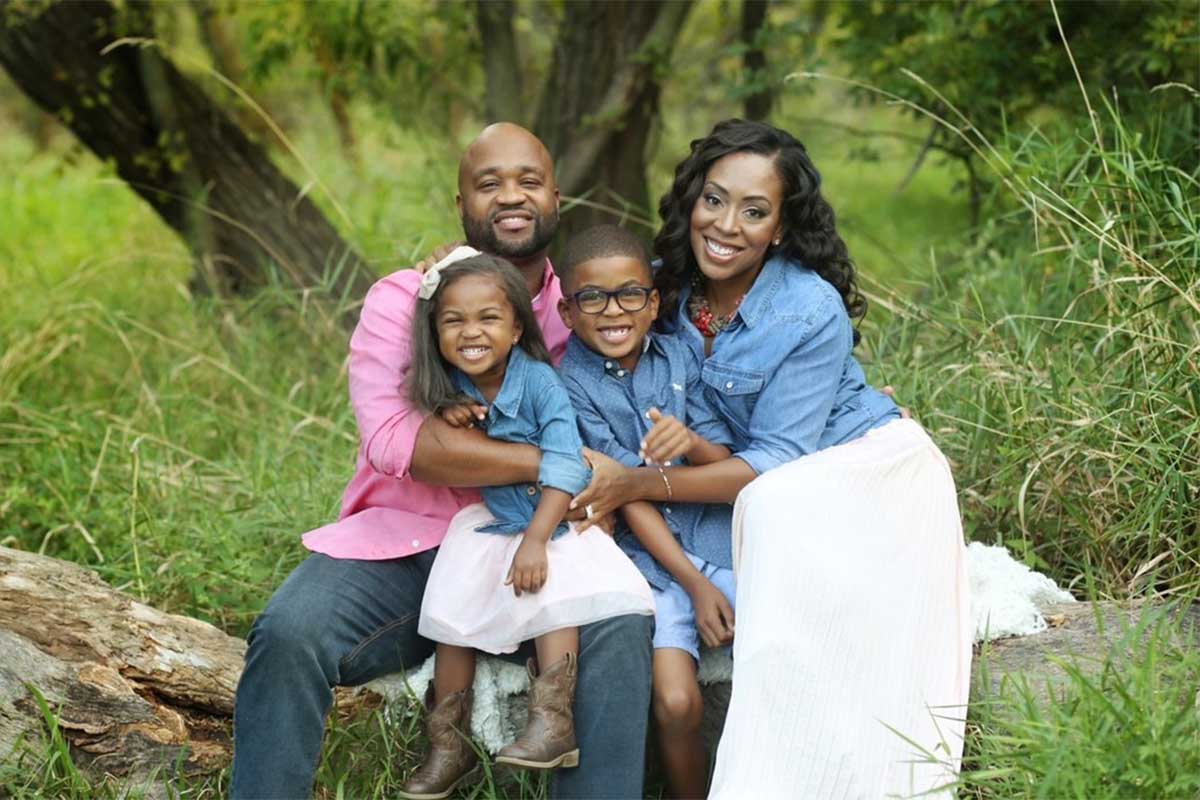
481, 235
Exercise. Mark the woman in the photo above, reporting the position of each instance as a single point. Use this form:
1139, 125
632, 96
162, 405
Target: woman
852, 645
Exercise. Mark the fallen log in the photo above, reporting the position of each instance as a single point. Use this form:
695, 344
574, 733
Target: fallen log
139, 693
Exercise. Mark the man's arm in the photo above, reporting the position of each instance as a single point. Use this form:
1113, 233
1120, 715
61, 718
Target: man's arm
449, 456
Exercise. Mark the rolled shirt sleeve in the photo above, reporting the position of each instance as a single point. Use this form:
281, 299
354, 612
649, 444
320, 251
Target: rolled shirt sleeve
380, 357
562, 464
791, 412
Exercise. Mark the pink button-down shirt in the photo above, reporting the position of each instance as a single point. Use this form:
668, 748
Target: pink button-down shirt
386, 513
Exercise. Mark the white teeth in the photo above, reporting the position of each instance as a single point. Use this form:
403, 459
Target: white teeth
615, 333
473, 351
719, 249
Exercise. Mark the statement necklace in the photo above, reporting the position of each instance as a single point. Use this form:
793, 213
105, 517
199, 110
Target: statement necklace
708, 323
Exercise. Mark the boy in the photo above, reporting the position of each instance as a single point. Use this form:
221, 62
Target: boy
633, 392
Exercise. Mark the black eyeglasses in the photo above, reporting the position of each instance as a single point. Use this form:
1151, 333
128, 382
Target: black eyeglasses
629, 298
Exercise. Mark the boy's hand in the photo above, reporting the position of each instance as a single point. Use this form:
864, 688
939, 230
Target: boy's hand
666, 441
464, 415
529, 568
714, 615
439, 252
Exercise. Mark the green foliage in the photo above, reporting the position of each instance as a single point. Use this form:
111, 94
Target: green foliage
414, 61
999, 61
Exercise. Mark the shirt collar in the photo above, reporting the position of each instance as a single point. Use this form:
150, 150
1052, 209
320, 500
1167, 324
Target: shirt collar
508, 400
548, 275
754, 305
598, 364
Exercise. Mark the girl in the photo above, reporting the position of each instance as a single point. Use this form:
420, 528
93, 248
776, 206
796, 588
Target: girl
853, 643
511, 571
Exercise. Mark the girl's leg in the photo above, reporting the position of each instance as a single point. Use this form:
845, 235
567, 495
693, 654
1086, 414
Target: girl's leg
552, 646
678, 710
454, 670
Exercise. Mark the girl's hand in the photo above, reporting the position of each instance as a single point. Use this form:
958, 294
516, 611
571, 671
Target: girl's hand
611, 487
464, 415
439, 252
714, 614
529, 568
666, 441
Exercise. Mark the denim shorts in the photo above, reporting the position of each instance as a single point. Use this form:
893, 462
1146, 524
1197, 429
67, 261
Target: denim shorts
674, 616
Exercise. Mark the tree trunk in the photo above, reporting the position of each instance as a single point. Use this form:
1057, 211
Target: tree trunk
135, 690
758, 102
601, 102
501, 61
174, 147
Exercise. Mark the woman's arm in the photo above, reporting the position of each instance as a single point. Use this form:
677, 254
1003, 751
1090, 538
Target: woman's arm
614, 485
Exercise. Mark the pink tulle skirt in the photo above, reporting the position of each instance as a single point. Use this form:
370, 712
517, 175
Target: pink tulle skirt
467, 602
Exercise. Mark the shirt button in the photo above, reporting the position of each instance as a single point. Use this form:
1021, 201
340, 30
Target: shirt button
608, 364
416, 542
531, 490
620, 373
729, 385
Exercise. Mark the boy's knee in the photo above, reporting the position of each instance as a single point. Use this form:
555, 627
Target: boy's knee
678, 707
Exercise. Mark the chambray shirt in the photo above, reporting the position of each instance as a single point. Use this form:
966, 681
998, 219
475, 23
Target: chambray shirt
611, 404
532, 407
782, 375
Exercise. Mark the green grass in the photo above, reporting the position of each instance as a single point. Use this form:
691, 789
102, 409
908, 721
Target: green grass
179, 447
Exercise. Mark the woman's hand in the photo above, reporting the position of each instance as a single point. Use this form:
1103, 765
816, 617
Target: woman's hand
463, 415
439, 252
667, 440
530, 567
611, 487
714, 614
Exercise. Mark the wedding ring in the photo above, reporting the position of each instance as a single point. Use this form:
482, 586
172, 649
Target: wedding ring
588, 509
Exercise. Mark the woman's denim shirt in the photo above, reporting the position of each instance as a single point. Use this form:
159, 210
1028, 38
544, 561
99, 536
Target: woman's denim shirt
611, 404
782, 375
532, 407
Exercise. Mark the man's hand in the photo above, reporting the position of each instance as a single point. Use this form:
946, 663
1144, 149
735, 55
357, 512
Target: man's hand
667, 440
463, 415
530, 567
609, 490
890, 392
714, 614
439, 252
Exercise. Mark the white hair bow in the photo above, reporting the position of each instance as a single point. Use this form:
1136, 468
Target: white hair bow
433, 275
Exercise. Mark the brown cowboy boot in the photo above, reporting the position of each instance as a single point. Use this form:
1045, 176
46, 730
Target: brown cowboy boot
549, 737
451, 758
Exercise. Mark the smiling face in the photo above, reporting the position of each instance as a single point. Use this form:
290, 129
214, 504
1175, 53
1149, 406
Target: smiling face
477, 328
507, 196
736, 218
614, 333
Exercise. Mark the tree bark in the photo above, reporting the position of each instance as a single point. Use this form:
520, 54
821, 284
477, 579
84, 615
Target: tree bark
600, 103
175, 147
135, 690
501, 61
757, 105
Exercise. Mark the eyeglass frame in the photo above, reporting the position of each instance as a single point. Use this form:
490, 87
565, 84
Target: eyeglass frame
610, 296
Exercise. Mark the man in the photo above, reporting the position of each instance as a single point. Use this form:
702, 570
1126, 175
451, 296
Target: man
349, 612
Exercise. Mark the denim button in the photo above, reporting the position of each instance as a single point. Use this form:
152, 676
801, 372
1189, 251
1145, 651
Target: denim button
531, 490
729, 385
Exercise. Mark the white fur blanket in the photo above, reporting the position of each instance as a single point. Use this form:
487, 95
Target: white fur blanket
1007, 599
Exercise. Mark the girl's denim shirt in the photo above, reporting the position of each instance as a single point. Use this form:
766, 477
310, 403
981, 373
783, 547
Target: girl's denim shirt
532, 407
782, 375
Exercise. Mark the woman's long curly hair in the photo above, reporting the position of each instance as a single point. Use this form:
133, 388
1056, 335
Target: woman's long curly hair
809, 233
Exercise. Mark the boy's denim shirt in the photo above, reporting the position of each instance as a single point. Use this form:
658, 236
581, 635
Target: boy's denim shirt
611, 404
532, 407
782, 375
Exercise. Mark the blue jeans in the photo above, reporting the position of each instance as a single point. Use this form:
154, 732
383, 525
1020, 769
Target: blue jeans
340, 622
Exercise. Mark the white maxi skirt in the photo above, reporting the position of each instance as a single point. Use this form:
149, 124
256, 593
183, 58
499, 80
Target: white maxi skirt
852, 658
468, 604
